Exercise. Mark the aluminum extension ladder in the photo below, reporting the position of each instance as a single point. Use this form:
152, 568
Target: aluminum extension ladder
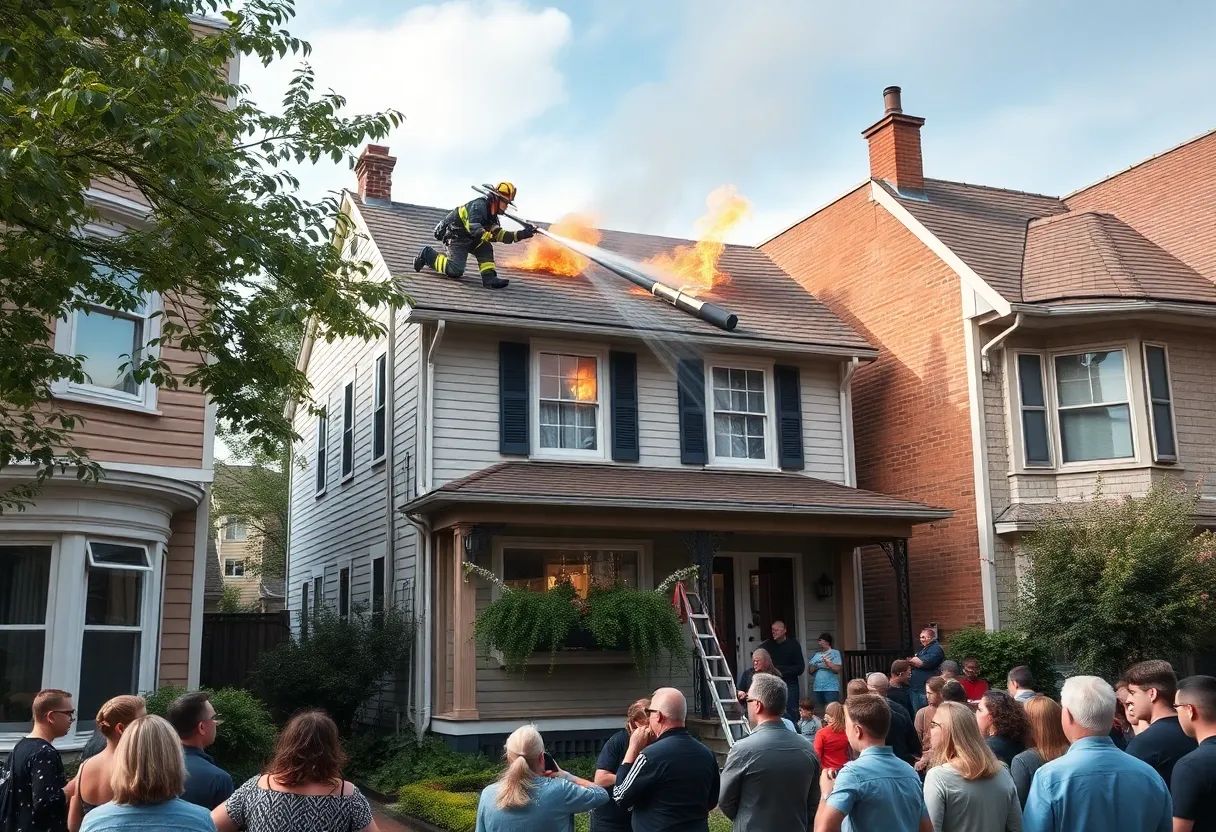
713, 663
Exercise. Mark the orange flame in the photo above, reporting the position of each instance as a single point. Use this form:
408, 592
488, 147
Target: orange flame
697, 265
544, 255
584, 382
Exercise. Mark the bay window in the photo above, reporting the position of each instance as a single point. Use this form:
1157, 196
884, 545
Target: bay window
1160, 403
740, 415
1093, 400
1036, 441
568, 404
25, 580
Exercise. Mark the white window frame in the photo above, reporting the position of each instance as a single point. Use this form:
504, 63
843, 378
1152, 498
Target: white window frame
349, 413
65, 617
731, 362
603, 399
1148, 402
144, 398
231, 526
1130, 401
318, 598
1045, 379
380, 406
235, 563
643, 548
321, 453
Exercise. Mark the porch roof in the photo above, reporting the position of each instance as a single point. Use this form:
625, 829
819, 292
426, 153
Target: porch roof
589, 485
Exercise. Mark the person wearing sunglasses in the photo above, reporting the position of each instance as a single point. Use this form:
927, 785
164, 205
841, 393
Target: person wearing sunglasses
195, 720
39, 799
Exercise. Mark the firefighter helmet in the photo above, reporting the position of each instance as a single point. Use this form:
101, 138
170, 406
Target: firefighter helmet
503, 190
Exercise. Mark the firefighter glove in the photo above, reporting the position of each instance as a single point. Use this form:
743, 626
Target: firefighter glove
528, 231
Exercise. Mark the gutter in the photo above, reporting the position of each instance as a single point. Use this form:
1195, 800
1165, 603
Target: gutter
390, 442
1100, 307
985, 364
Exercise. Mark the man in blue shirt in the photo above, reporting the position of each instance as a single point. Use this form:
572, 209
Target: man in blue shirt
1095, 785
195, 720
877, 791
925, 665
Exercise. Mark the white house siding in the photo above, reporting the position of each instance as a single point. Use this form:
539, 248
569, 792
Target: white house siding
466, 407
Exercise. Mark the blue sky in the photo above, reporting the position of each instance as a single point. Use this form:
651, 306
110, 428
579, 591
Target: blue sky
636, 110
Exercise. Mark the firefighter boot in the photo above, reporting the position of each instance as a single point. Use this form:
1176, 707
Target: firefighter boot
426, 257
492, 281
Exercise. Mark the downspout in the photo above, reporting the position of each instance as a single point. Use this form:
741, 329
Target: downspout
985, 364
979, 459
850, 479
390, 441
422, 697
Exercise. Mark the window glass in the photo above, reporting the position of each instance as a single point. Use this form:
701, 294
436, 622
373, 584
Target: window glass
348, 429
234, 568
1091, 378
117, 554
1096, 433
1157, 370
22, 653
107, 343
234, 529
109, 667
378, 585
541, 569
569, 401
1036, 444
25, 579
344, 591
1095, 417
322, 450
380, 416
113, 597
740, 408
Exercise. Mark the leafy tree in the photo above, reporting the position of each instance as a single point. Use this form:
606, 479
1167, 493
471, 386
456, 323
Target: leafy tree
1113, 582
135, 92
259, 494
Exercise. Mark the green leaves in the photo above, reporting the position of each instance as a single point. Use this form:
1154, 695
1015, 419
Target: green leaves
138, 95
1114, 582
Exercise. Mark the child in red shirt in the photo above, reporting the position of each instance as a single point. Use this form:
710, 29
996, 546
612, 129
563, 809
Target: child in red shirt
831, 742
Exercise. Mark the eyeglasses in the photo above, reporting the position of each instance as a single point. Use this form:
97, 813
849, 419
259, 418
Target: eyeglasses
69, 714
652, 711
216, 718
749, 699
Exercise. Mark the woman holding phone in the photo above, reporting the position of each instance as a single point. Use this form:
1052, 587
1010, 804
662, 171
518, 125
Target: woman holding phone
533, 793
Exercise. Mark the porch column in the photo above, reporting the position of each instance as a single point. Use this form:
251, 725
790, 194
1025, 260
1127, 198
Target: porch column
464, 617
897, 554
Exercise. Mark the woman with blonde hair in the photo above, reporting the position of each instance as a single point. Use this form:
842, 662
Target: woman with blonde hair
93, 776
533, 794
148, 773
1045, 736
924, 719
302, 789
967, 789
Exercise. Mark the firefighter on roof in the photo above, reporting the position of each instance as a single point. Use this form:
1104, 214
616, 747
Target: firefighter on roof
473, 229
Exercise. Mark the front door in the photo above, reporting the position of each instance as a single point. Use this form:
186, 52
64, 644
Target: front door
769, 592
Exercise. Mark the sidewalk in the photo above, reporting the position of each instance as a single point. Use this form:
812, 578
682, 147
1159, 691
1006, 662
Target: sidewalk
387, 823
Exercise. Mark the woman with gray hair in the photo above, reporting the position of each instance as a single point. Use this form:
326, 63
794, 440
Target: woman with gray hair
762, 662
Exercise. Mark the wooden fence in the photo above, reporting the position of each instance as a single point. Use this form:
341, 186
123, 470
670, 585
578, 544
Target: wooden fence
233, 643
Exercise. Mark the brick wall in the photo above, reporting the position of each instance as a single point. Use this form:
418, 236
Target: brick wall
911, 417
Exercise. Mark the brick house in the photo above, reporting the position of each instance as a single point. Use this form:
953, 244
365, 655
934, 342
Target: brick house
1029, 345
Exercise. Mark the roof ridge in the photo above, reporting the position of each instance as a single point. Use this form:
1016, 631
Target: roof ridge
994, 188
1141, 163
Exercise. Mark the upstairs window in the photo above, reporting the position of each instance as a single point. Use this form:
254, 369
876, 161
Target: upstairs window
380, 409
344, 592
234, 567
569, 404
348, 430
740, 415
235, 530
322, 451
1093, 398
1036, 440
1161, 403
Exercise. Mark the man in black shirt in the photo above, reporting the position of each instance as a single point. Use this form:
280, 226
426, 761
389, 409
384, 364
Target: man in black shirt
901, 736
1193, 785
40, 802
668, 779
610, 817
900, 687
1151, 688
790, 662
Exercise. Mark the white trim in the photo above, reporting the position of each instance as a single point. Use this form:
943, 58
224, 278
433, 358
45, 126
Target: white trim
210, 414
93, 563
771, 461
742, 563
473, 727
350, 381
602, 401
1148, 402
1017, 432
128, 209
320, 452
947, 255
979, 465
1108, 308
198, 591
347, 564
192, 475
60, 390
235, 561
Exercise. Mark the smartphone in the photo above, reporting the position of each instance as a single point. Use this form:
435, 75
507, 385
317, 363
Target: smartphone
550, 763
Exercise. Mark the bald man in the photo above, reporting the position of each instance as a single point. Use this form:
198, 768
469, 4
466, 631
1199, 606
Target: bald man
902, 737
668, 779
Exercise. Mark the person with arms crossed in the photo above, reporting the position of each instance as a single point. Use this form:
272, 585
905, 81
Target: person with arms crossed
925, 665
877, 791
1193, 783
1095, 786
790, 662
825, 667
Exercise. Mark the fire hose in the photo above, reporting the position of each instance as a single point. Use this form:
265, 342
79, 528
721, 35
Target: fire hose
637, 274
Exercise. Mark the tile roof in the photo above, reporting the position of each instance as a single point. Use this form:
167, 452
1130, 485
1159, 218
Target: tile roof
773, 309
1093, 255
680, 489
271, 588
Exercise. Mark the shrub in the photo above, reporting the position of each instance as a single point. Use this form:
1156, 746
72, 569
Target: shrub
385, 764
1113, 582
337, 667
453, 811
1000, 651
245, 740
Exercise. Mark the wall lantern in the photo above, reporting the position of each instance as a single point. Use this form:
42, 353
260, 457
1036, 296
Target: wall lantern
824, 588
475, 541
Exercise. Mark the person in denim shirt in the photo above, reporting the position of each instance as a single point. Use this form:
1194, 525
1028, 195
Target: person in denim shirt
195, 720
925, 665
877, 791
149, 773
1095, 785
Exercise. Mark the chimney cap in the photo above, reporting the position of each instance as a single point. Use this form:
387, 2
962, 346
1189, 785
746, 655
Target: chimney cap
892, 100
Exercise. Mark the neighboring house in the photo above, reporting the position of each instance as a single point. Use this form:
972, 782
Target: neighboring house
1029, 346
102, 585
570, 426
240, 542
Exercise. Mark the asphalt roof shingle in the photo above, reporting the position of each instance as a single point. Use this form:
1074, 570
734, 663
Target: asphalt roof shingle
608, 486
772, 308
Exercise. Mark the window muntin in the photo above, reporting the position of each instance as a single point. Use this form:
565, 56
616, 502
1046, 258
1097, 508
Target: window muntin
380, 409
1160, 403
234, 567
348, 430
740, 413
1093, 404
569, 393
235, 529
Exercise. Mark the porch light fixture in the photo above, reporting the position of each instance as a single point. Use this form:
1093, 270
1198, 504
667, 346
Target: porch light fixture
824, 588
475, 541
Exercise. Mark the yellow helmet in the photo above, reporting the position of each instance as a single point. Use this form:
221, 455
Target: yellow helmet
504, 191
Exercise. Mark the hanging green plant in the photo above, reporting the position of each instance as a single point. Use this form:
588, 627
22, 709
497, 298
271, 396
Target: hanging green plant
520, 622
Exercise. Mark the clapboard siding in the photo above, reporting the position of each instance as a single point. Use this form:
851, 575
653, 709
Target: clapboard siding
466, 407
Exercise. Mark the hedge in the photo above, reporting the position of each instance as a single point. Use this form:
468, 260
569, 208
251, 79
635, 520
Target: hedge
447, 802
999, 651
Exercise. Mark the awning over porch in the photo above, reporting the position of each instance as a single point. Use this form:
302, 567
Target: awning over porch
719, 498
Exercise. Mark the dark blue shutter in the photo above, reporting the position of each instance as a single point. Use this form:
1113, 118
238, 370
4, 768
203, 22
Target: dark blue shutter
624, 380
690, 384
789, 417
513, 398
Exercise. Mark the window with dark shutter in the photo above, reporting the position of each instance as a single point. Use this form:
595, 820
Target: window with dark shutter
690, 383
1035, 442
789, 417
1157, 368
624, 381
513, 398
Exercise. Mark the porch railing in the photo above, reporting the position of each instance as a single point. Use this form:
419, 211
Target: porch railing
858, 663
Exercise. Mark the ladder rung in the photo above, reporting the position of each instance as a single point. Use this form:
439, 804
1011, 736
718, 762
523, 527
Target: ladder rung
720, 679
706, 635
736, 722
699, 615
715, 656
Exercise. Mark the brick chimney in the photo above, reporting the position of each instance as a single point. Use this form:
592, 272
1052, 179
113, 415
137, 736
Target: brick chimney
375, 173
895, 145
